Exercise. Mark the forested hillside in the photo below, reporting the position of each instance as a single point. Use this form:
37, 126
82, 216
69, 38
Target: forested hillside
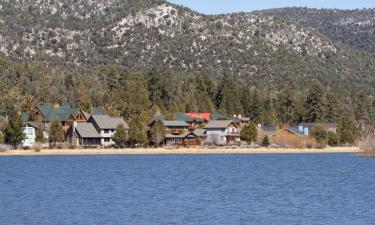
257, 49
355, 28
132, 57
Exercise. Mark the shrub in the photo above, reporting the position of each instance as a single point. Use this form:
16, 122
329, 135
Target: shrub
266, 141
37, 147
3, 148
333, 139
321, 135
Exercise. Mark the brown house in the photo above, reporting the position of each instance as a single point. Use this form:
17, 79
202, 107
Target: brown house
67, 115
291, 137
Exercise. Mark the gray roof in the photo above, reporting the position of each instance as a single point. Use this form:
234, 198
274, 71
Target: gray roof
107, 122
36, 125
175, 123
268, 128
200, 132
86, 114
218, 124
87, 130
295, 130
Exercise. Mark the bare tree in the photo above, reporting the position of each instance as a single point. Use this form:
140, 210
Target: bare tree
213, 139
367, 144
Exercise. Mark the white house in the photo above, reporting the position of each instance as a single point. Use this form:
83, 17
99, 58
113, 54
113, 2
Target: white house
222, 132
30, 129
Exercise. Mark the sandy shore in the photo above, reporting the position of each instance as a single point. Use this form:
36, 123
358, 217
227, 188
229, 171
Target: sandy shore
161, 151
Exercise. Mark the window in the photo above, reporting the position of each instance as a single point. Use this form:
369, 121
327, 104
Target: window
221, 138
30, 131
106, 131
107, 139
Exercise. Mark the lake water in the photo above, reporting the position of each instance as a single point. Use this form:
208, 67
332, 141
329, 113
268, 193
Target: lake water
188, 189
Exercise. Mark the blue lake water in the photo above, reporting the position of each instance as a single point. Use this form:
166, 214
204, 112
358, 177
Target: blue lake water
188, 189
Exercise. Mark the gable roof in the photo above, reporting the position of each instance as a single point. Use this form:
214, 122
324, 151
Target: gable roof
87, 130
292, 129
24, 117
200, 116
200, 132
217, 116
175, 123
96, 111
215, 124
107, 122
267, 128
62, 113
36, 125
183, 117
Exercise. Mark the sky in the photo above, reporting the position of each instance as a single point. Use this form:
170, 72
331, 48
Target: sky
228, 6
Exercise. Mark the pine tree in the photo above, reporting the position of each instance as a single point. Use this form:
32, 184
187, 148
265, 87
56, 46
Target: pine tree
56, 134
39, 136
333, 108
286, 102
321, 135
158, 133
249, 133
120, 137
13, 131
348, 130
137, 133
256, 108
361, 107
315, 102
228, 97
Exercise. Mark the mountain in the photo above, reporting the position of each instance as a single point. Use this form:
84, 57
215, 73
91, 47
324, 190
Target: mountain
257, 48
355, 28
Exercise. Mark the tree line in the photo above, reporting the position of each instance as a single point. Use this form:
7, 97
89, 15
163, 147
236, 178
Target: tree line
138, 95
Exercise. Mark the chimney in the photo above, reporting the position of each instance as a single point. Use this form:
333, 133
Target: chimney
56, 106
239, 116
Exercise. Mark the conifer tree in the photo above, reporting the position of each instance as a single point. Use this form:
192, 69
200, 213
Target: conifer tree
266, 141
13, 131
333, 108
361, 107
120, 137
286, 101
39, 136
56, 134
228, 98
137, 133
348, 130
249, 133
315, 102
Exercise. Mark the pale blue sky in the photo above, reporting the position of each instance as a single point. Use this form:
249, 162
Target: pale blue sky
226, 6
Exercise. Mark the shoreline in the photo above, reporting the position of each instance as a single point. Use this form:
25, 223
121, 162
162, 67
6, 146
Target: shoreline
182, 151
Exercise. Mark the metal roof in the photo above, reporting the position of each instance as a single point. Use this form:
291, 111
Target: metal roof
175, 123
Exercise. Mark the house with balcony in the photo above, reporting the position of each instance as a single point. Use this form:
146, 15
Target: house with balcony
222, 132
30, 129
46, 113
97, 131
